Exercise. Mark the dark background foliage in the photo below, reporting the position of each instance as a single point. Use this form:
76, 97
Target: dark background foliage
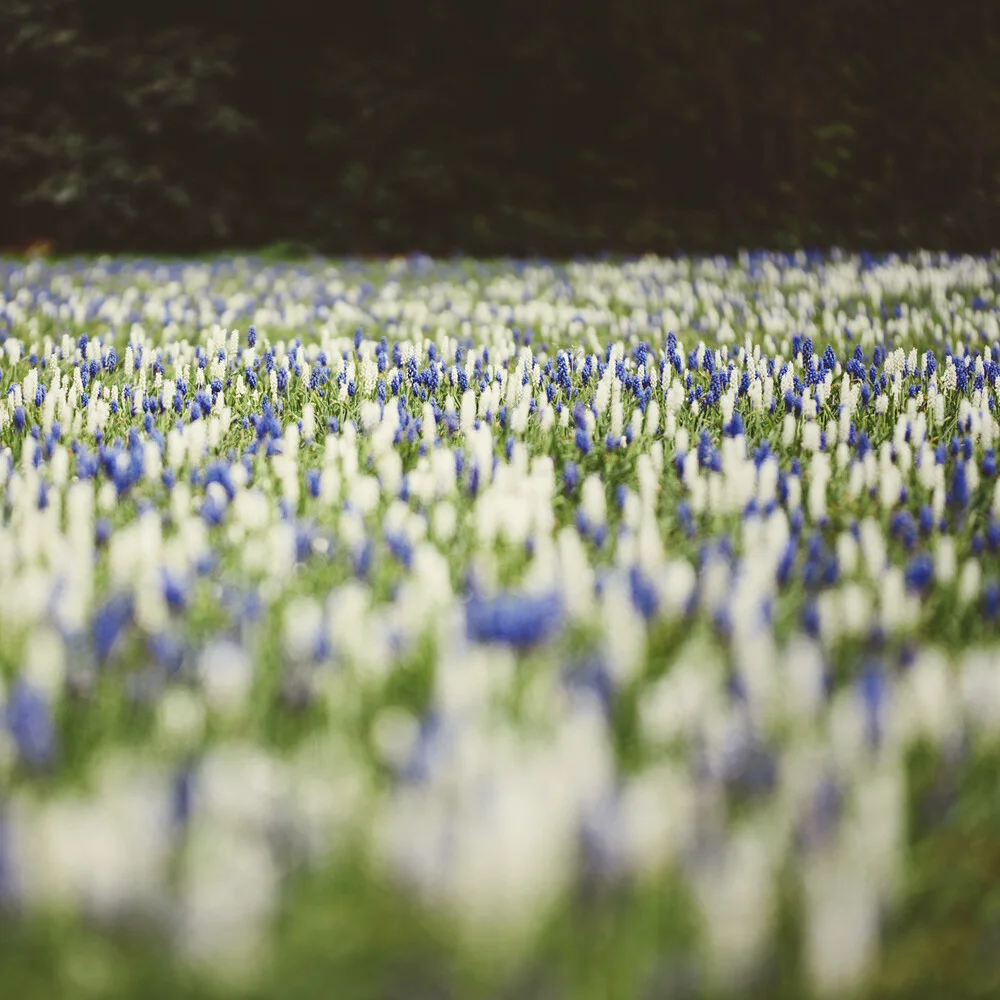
534, 126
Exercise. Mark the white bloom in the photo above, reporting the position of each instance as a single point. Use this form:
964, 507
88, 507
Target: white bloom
226, 674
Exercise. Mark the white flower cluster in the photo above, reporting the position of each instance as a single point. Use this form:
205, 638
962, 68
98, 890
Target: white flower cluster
448, 525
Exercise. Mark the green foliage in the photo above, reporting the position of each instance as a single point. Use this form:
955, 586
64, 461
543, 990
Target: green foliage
524, 128
119, 136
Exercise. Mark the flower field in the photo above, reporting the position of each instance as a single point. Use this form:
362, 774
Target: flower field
414, 628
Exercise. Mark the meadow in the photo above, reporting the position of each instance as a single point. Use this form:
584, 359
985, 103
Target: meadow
415, 628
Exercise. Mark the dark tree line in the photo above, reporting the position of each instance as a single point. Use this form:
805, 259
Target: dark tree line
532, 126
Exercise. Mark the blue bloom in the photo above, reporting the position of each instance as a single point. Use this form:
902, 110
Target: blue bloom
643, 593
363, 560
174, 591
400, 548
926, 519
960, 486
993, 535
267, 424
735, 427
206, 563
873, 694
571, 476
991, 599
102, 531
513, 619
29, 721
167, 651
810, 619
219, 472
920, 573
182, 791
786, 564
109, 623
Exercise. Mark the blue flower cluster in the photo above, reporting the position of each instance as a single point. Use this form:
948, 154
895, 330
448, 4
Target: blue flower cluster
694, 551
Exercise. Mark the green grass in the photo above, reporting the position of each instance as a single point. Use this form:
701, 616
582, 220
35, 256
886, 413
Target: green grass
344, 929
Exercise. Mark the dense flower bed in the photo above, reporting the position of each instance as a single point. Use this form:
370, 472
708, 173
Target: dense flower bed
503, 578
